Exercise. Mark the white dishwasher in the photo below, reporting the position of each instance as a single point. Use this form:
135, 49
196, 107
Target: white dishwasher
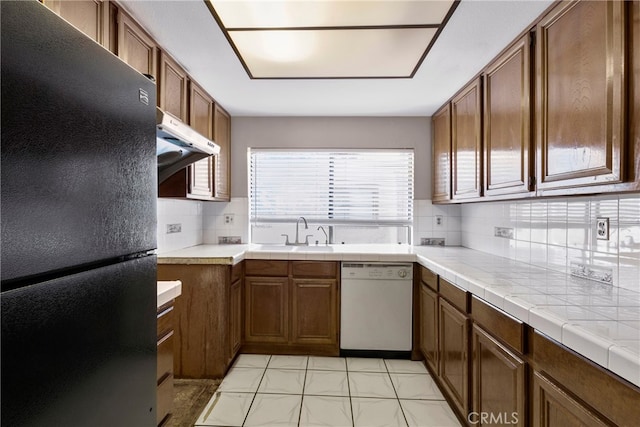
376, 304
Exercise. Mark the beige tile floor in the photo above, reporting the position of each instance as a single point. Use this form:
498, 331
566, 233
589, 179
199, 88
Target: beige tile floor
283, 391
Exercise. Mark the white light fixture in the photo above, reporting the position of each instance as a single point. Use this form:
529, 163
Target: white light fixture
331, 38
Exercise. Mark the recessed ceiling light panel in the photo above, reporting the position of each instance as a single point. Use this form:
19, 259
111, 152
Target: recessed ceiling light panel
330, 38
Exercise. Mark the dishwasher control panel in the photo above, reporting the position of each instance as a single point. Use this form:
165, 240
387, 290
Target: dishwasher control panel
377, 271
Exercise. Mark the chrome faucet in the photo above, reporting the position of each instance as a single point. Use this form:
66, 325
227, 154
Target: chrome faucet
306, 227
326, 238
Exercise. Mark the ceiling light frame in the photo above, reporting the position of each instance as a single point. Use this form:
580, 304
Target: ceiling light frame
227, 33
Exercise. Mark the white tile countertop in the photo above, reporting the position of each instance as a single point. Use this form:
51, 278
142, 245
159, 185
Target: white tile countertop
599, 321
168, 290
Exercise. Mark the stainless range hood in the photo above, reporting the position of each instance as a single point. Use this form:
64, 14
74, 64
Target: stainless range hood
178, 145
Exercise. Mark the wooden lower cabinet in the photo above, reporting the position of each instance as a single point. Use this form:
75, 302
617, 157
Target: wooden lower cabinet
292, 308
314, 311
453, 348
207, 317
429, 327
554, 407
267, 309
498, 381
494, 369
235, 319
164, 370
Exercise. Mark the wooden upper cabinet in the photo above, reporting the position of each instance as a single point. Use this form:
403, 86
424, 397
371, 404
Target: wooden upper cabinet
508, 138
135, 47
201, 119
441, 187
172, 88
89, 16
222, 161
466, 142
580, 56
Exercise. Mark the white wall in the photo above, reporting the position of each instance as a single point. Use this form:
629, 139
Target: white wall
331, 132
552, 233
187, 213
203, 222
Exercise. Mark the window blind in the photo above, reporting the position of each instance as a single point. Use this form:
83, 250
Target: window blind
373, 187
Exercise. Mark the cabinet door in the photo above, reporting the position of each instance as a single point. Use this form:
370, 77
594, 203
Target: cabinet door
553, 407
466, 140
172, 88
135, 47
441, 123
314, 307
235, 318
498, 379
429, 327
222, 161
453, 354
89, 16
267, 309
201, 119
507, 111
580, 100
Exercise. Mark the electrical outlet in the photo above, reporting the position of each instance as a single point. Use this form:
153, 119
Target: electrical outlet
504, 232
602, 228
228, 219
174, 228
439, 220
431, 241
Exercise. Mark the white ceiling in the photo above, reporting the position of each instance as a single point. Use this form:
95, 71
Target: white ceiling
476, 32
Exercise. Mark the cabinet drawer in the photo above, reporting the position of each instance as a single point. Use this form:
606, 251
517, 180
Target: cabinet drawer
164, 399
165, 357
504, 327
314, 269
165, 320
260, 267
236, 272
429, 278
456, 296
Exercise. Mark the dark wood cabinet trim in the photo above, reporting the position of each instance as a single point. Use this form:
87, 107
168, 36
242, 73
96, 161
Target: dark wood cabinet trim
513, 404
620, 401
507, 329
459, 298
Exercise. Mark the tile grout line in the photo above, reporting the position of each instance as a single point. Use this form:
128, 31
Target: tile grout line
346, 368
396, 393
256, 392
304, 383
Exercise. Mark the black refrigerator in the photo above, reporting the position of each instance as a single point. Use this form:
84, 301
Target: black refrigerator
78, 211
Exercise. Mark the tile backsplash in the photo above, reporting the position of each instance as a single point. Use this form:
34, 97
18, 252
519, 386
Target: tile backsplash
556, 233
226, 219
211, 222
185, 213
436, 221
